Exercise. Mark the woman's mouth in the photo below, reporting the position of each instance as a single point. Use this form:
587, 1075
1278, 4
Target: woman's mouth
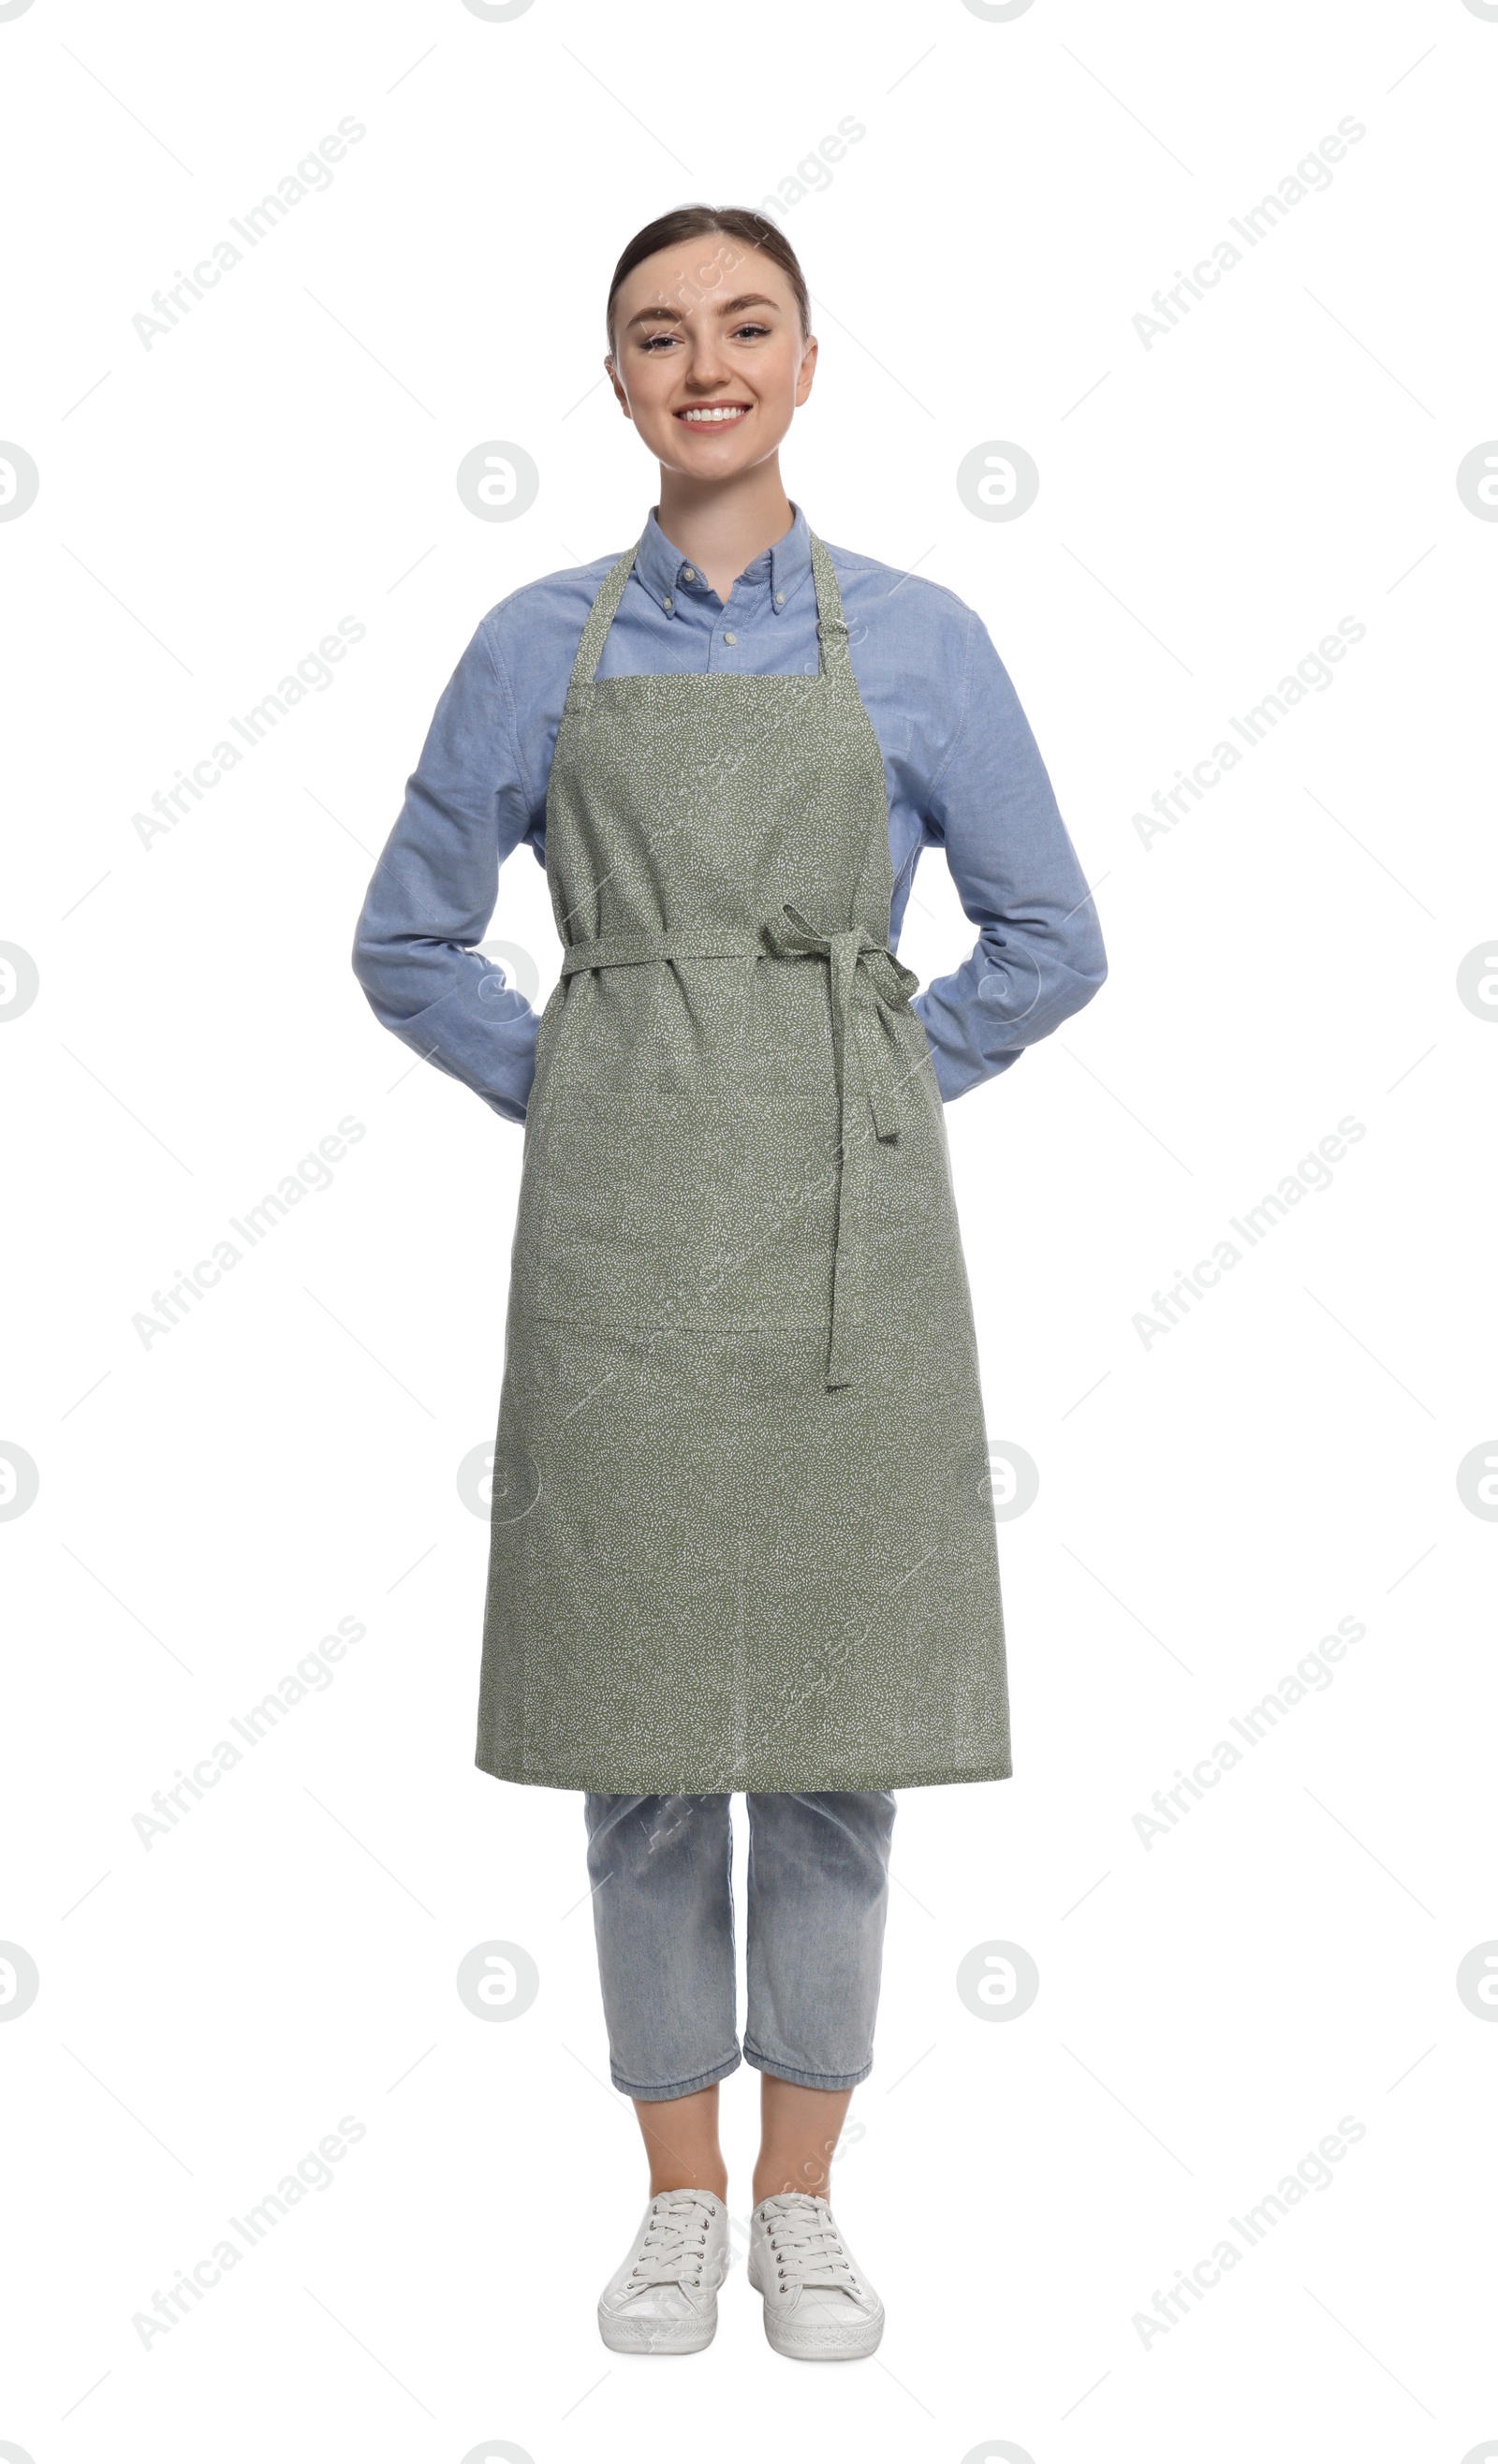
712, 414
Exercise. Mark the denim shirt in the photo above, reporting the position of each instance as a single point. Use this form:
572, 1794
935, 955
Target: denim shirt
961, 763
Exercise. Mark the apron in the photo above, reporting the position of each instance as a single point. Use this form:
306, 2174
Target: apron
742, 1529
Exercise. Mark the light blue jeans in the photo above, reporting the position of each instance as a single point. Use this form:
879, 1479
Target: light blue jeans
662, 1912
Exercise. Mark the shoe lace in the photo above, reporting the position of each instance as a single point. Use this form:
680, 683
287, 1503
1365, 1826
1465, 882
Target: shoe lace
807, 2245
675, 2241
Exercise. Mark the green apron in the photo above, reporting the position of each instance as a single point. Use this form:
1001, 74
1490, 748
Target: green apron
742, 1528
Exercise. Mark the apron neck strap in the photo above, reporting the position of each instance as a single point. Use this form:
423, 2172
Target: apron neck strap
831, 624
600, 617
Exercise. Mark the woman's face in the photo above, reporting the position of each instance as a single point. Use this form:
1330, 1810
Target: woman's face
708, 360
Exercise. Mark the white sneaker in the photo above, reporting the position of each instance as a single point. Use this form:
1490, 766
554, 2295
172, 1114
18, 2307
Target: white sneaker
818, 2305
664, 2298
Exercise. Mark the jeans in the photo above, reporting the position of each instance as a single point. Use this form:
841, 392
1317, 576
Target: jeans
818, 1888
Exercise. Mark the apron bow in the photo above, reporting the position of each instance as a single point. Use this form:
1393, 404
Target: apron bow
856, 958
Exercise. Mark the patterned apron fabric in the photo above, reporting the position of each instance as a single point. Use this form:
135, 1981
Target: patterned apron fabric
742, 1529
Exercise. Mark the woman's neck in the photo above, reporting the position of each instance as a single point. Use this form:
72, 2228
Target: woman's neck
723, 528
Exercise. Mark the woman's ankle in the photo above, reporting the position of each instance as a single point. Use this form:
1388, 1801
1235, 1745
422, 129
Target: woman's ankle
707, 2177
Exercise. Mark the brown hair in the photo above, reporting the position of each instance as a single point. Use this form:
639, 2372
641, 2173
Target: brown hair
754, 231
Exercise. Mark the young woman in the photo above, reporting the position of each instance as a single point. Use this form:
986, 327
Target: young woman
743, 1532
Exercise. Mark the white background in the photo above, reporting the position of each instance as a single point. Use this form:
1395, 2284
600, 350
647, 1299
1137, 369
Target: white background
1211, 2005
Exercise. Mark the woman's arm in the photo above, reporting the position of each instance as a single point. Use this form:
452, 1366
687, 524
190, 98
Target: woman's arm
434, 889
1039, 954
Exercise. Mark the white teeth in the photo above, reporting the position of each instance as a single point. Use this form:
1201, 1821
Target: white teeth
706, 418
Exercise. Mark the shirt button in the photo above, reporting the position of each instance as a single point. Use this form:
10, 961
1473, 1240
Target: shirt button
687, 573
731, 639
779, 598
667, 603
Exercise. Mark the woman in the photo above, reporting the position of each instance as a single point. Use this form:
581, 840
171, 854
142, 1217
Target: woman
743, 1532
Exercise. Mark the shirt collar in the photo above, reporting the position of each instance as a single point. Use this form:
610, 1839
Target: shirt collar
779, 571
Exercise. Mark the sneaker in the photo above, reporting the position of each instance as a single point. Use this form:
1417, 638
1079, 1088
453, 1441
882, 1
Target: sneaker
818, 2306
664, 2298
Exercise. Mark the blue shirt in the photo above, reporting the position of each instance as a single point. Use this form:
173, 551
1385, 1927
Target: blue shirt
961, 766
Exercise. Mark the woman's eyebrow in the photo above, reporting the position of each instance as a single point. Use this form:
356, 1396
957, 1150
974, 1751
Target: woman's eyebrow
660, 314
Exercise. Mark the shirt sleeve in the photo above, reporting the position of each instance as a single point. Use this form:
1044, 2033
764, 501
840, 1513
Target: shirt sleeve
434, 889
1038, 956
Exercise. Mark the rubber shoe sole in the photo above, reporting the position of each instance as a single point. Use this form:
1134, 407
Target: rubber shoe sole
820, 2343
657, 2335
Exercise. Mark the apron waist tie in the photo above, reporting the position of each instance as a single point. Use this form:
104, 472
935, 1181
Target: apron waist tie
864, 975
639, 948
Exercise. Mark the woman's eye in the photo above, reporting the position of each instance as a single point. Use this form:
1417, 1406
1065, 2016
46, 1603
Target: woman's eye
655, 344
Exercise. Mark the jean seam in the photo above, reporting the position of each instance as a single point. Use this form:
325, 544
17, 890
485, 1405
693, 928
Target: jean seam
801, 2078
709, 2077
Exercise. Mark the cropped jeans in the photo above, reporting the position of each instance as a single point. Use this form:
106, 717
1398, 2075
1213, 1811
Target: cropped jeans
663, 1913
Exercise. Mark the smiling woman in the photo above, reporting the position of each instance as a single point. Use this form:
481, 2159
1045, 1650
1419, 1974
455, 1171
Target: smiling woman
743, 1532
741, 315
